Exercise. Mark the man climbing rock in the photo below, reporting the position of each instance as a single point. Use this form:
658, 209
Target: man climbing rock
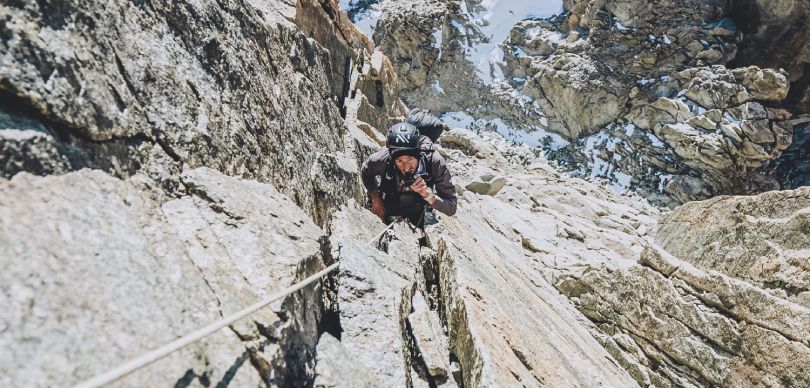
412, 178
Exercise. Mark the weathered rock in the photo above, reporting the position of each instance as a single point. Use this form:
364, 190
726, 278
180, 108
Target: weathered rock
775, 36
662, 111
711, 135
578, 96
430, 340
757, 239
717, 87
411, 34
371, 299
114, 268
246, 88
696, 327
487, 185
494, 316
374, 295
336, 367
504, 319
30, 150
446, 59
642, 52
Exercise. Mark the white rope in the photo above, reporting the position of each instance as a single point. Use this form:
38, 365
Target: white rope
163, 351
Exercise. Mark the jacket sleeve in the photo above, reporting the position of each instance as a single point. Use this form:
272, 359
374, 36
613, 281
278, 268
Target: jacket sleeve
373, 167
443, 185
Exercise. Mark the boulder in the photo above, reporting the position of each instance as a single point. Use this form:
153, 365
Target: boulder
576, 94
718, 87
487, 185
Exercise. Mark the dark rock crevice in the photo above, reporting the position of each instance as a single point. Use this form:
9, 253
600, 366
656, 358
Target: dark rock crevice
330, 307
454, 318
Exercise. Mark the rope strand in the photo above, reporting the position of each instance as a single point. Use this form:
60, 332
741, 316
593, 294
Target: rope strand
163, 351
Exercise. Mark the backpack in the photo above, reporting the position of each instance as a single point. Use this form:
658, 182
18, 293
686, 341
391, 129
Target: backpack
427, 123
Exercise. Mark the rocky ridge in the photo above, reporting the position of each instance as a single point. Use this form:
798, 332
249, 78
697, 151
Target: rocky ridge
547, 262
200, 189
219, 136
670, 313
590, 72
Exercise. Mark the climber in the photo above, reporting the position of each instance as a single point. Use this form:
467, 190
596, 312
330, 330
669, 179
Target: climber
409, 171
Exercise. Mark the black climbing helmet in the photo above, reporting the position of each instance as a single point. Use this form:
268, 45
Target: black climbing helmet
403, 139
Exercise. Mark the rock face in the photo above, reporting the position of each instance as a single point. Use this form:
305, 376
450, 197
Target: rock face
410, 313
703, 317
114, 268
337, 368
223, 142
719, 127
129, 87
679, 325
571, 86
165, 102
775, 36
374, 294
750, 238
675, 135
447, 57
592, 71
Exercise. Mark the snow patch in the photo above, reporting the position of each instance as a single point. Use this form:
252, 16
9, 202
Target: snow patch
655, 141
629, 129
518, 52
437, 38
438, 87
533, 33
20, 134
622, 181
533, 137
663, 179
605, 169
494, 20
731, 119
366, 21
696, 109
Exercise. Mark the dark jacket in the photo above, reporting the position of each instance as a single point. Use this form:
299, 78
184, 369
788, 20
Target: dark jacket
399, 200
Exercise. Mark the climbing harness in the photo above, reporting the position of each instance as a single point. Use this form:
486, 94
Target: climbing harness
163, 351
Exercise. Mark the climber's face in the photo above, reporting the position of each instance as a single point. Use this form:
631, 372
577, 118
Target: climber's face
406, 164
